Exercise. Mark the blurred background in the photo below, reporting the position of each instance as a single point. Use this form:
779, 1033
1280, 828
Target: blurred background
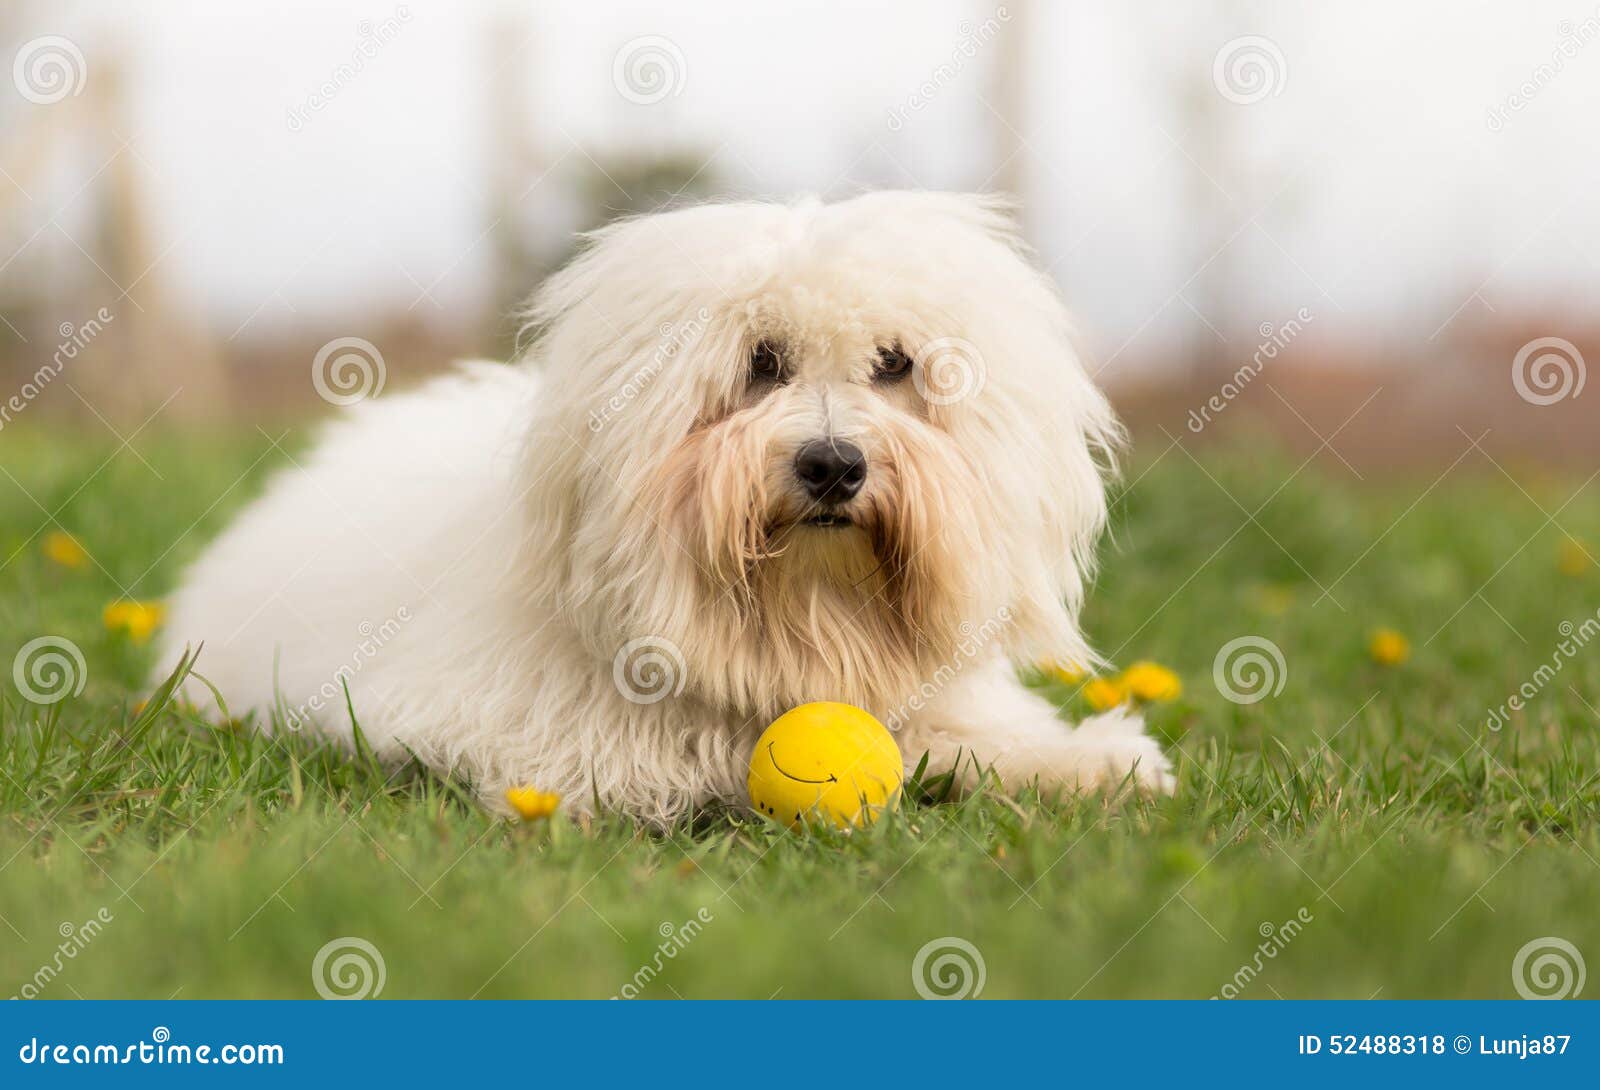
1364, 231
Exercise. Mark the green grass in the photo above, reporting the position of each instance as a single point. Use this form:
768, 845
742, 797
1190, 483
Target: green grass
1425, 849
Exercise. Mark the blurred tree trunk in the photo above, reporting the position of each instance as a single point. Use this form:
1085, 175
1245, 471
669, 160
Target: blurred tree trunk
163, 355
515, 171
148, 354
1009, 98
1207, 135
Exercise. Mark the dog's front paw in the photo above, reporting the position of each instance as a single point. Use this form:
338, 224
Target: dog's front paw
1107, 748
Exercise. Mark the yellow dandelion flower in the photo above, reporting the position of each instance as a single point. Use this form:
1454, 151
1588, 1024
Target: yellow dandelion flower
531, 804
1574, 557
1064, 672
1103, 693
62, 548
1151, 681
1388, 648
136, 620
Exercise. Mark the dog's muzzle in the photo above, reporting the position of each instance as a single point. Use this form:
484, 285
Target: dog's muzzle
831, 471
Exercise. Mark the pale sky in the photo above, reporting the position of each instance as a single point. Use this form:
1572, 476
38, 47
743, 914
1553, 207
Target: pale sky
1370, 185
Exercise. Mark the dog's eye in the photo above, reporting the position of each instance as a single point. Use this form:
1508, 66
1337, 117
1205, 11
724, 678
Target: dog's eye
766, 362
893, 364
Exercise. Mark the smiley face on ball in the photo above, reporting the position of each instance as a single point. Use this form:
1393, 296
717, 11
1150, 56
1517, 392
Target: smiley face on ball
825, 760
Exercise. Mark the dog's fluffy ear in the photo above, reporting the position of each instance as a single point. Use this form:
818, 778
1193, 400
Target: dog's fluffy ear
1080, 441
604, 331
575, 334
554, 332
1041, 428
637, 272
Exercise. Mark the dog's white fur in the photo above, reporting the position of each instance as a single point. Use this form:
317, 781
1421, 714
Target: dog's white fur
588, 571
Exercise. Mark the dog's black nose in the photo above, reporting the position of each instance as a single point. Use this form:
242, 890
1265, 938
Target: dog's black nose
832, 470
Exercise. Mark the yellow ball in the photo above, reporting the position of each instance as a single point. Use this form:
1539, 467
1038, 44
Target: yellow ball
825, 760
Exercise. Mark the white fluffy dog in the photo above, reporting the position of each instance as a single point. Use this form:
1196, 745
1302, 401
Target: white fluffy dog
759, 454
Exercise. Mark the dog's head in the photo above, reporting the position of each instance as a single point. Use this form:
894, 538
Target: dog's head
815, 451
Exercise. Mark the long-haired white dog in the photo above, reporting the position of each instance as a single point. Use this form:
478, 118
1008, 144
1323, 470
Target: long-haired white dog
759, 454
